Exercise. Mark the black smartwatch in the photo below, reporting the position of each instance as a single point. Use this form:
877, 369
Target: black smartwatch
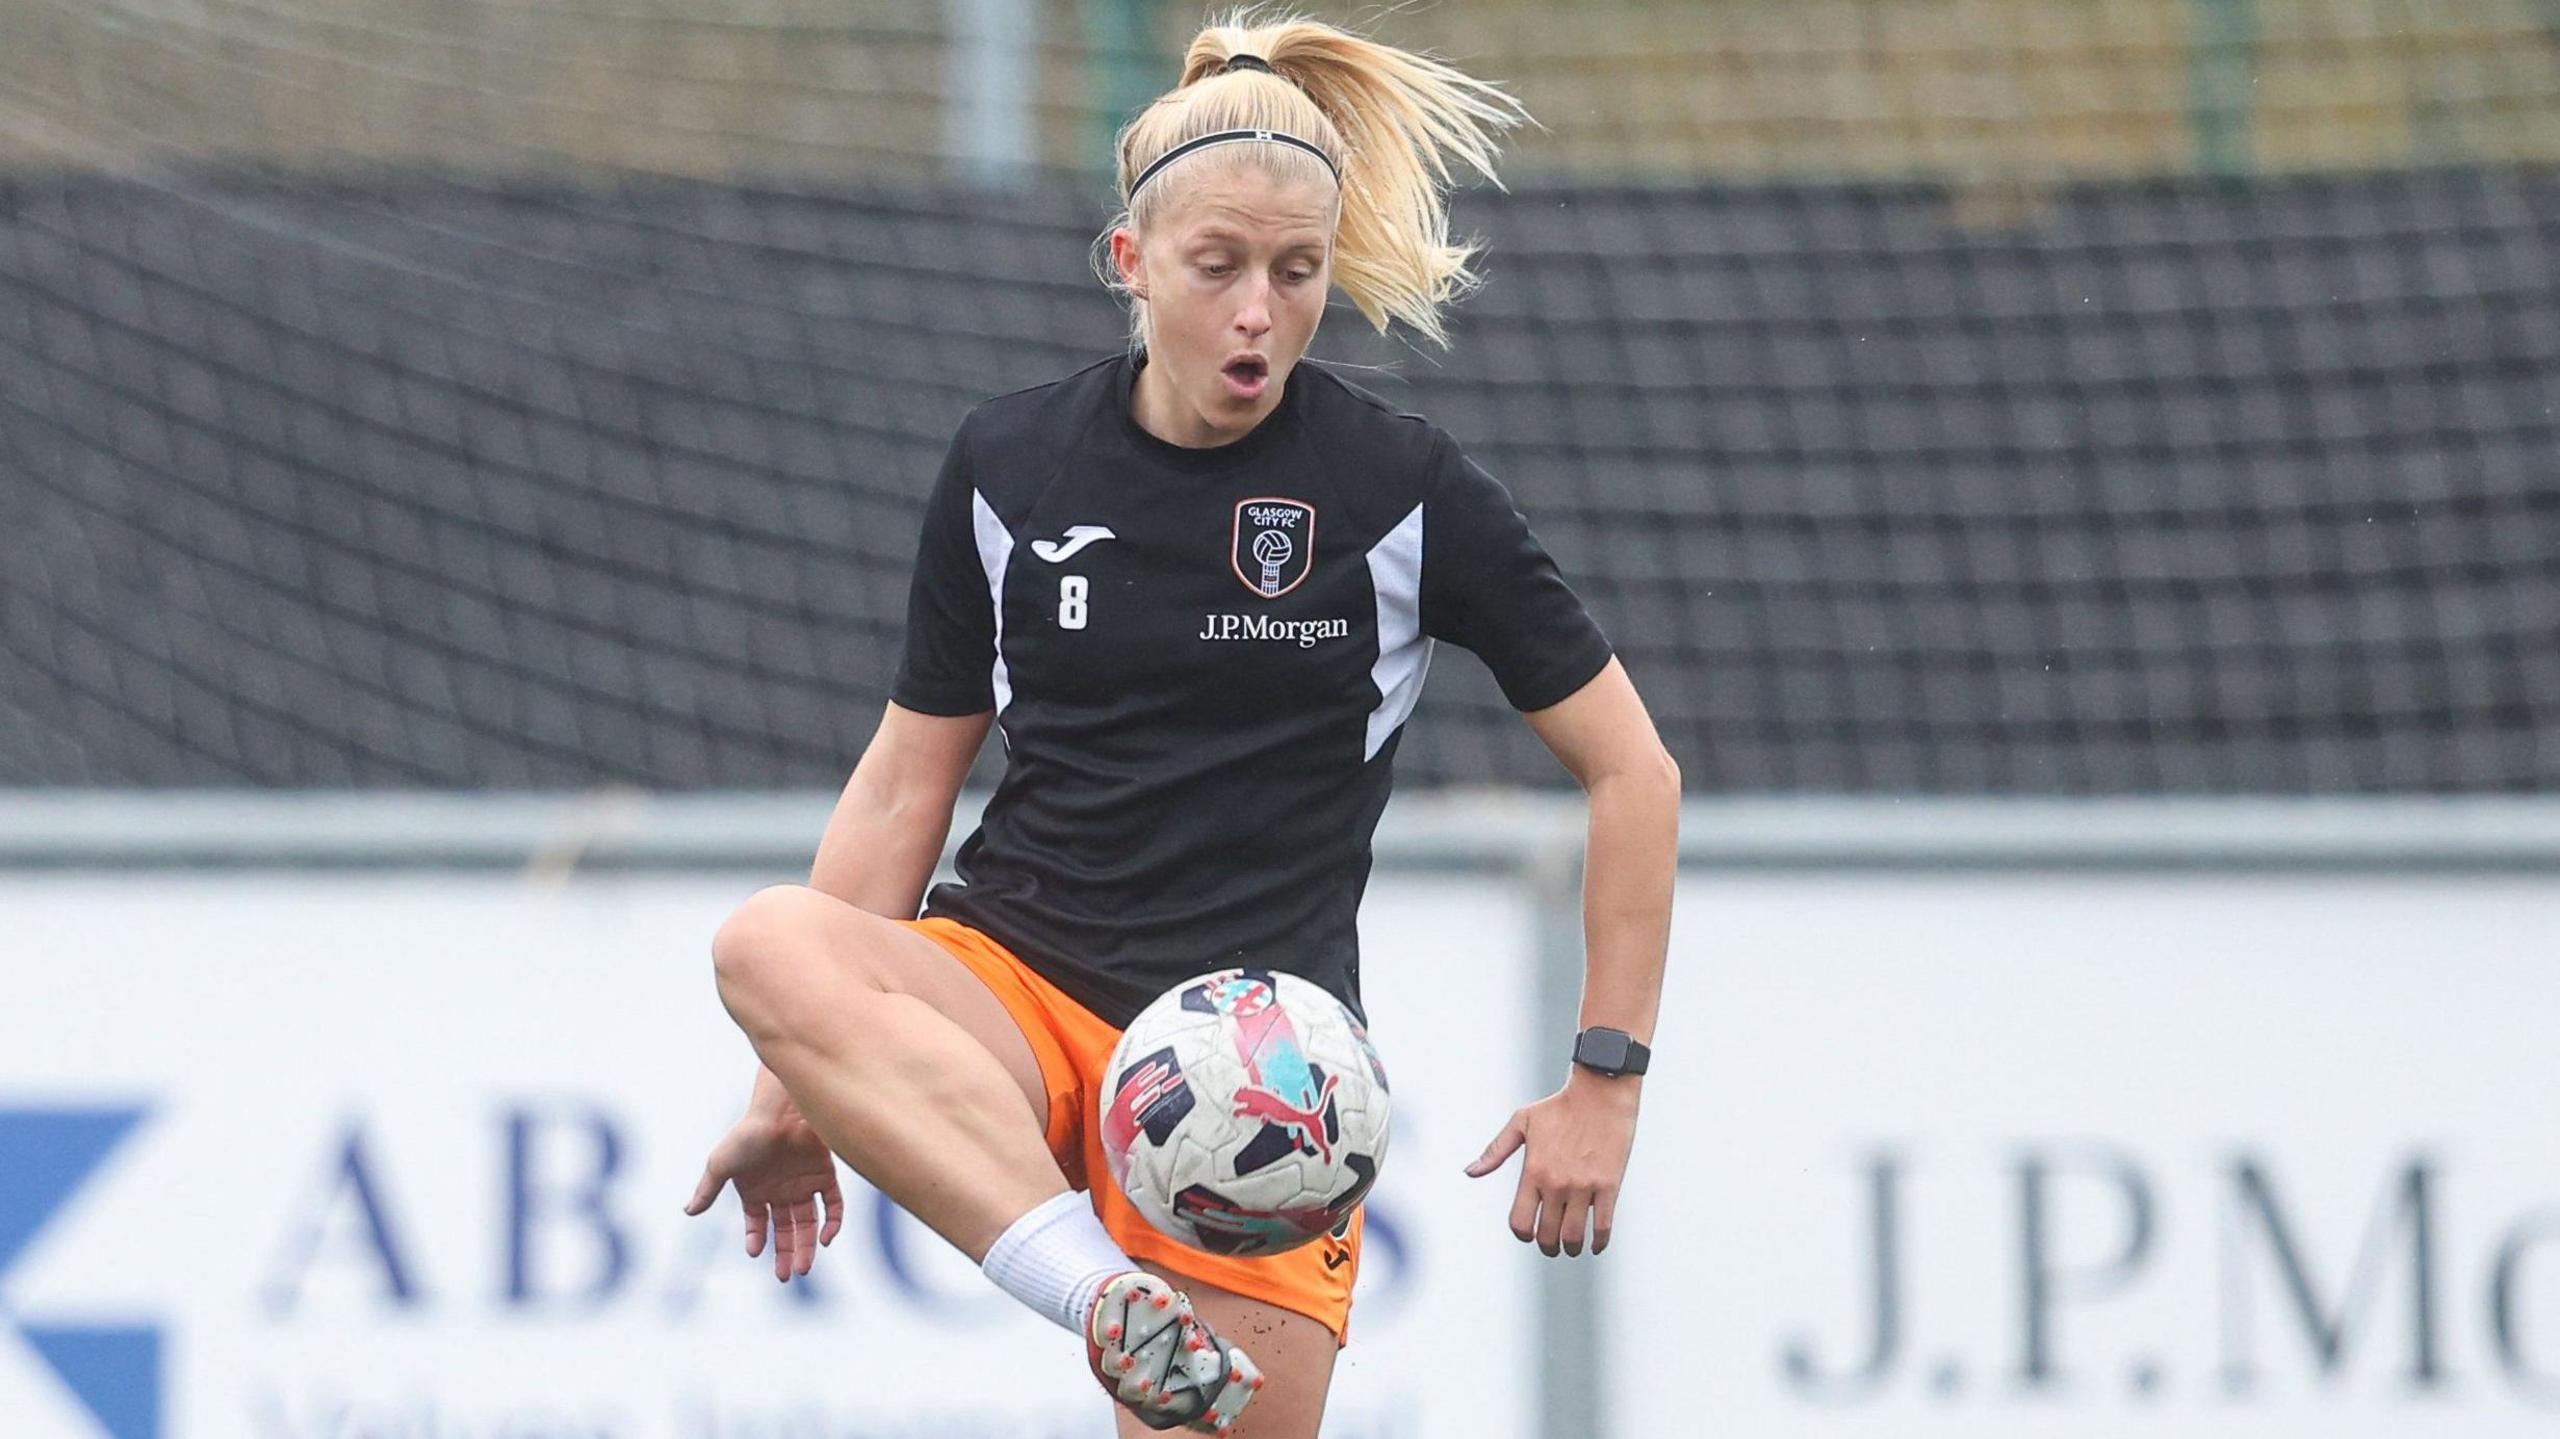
1610, 1051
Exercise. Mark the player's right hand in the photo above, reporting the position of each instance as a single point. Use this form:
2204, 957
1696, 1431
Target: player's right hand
783, 1173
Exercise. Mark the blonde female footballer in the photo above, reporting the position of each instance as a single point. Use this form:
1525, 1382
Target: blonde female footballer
1197, 585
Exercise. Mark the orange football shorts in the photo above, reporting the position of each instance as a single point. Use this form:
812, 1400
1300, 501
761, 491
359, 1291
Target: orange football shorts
1074, 1047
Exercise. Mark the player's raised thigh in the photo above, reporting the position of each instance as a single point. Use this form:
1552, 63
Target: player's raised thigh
796, 946
1294, 1352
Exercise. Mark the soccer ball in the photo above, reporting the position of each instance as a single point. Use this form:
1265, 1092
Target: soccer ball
1245, 1112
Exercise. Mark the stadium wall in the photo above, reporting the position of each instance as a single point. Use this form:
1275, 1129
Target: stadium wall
334, 1114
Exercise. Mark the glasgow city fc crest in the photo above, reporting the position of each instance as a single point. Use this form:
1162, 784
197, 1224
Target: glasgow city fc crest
1275, 544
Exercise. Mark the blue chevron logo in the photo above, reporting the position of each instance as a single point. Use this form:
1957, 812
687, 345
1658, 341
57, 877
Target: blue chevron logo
46, 1155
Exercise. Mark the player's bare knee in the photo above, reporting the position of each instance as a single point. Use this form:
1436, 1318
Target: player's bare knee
783, 938
757, 948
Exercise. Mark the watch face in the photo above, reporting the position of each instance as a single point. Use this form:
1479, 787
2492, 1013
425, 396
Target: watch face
1603, 1049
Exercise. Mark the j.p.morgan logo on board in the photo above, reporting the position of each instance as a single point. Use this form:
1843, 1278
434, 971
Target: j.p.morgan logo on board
1275, 544
2311, 1283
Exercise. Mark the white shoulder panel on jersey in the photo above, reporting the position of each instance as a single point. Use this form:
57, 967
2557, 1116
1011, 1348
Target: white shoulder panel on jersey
1404, 656
995, 551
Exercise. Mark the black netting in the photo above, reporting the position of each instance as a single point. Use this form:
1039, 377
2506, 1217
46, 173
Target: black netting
2177, 485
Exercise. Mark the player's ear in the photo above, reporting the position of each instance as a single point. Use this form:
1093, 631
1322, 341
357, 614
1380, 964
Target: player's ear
1129, 260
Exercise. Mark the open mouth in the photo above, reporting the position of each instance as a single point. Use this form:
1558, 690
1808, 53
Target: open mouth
1247, 377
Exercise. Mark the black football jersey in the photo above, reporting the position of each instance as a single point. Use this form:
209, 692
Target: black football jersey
1200, 661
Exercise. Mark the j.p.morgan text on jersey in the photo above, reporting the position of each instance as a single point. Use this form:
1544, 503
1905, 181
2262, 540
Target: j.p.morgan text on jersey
1263, 627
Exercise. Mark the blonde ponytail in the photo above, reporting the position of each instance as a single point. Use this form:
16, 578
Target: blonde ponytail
1391, 121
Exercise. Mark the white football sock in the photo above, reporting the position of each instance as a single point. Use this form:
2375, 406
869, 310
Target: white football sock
1056, 1259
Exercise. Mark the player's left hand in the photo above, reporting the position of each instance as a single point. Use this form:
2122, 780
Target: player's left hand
1577, 1139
